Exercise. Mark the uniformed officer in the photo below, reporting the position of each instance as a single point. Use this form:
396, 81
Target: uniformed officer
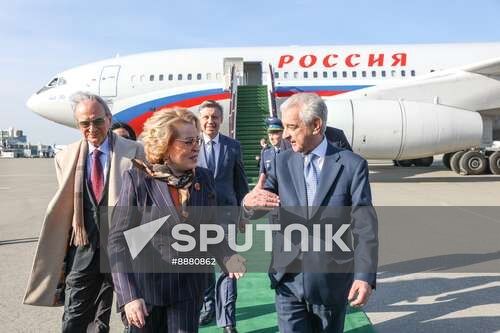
276, 144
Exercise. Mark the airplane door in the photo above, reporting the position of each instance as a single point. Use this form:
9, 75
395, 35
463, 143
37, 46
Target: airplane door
253, 73
238, 72
108, 81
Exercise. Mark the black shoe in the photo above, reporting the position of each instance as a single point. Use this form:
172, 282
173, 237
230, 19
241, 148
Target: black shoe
207, 318
230, 329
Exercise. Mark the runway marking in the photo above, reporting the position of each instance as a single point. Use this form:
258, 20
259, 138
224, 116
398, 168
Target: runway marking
445, 297
380, 317
478, 214
484, 310
18, 241
26, 175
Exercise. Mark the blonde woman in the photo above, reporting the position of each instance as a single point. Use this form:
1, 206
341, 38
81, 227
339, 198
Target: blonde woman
170, 184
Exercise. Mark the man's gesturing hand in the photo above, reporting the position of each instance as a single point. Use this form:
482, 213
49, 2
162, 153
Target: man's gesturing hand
359, 293
258, 198
136, 312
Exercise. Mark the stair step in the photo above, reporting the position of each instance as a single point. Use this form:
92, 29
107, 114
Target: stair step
252, 111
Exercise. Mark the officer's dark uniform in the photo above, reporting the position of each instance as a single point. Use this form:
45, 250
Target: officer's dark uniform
268, 155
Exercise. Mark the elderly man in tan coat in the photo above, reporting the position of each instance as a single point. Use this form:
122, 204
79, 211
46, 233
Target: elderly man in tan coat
69, 267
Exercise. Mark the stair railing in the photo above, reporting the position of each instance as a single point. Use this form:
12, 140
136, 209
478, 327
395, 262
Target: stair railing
233, 91
271, 93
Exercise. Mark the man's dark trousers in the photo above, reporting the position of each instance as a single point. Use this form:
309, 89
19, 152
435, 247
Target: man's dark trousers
88, 293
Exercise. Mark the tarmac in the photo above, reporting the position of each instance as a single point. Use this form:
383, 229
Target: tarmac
432, 301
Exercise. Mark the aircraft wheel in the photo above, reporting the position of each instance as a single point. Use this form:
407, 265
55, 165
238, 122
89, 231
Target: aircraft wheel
473, 163
495, 163
424, 161
455, 159
446, 160
404, 163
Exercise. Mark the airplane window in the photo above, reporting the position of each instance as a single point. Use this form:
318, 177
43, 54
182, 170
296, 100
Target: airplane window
209, 76
160, 77
363, 73
315, 75
179, 77
374, 73
344, 74
190, 76
393, 73
151, 77
412, 72
170, 77
285, 75
143, 78
325, 75
334, 74
61, 81
306, 74
403, 73
354, 74
295, 75
383, 73
198, 76
433, 70
276, 75
132, 78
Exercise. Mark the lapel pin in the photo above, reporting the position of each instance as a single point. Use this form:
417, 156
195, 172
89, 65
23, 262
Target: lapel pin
197, 186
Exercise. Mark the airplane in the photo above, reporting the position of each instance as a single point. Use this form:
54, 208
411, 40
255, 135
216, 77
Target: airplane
403, 102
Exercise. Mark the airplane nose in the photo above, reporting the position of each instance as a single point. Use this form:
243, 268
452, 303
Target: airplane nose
32, 103
51, 108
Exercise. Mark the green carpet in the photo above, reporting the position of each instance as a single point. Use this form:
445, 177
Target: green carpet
255, 310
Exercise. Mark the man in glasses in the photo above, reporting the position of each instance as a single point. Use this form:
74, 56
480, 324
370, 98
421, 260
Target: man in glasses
70, 265
222, 155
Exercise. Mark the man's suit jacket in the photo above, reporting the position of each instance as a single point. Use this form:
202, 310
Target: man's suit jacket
343, 183
337, 137
54, 237
231, 182
149, 275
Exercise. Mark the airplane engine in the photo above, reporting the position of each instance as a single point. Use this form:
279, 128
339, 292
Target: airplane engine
399, 130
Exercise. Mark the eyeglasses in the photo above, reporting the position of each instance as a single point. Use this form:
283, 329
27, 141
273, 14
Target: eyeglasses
191, 142
95, 122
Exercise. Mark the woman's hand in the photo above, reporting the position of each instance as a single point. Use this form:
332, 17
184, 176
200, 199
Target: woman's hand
136, 312
235, 265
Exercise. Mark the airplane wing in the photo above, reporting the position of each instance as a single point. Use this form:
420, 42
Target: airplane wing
474, 87
489, 67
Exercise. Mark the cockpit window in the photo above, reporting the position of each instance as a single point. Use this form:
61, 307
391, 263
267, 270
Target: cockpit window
53, 82
58, 81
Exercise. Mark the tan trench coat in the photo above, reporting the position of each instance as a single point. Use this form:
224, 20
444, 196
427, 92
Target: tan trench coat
54, 237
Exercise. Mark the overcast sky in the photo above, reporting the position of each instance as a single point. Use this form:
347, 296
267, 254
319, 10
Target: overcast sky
41, 38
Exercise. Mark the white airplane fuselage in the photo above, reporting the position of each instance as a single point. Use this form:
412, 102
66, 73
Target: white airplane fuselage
392, 101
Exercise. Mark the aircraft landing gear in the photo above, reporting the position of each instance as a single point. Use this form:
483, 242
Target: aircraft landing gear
446, 160
473, 162
494, 161
455, 160
419, 162
402, 163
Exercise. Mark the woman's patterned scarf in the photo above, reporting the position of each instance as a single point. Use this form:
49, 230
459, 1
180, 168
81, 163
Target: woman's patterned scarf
164, 173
